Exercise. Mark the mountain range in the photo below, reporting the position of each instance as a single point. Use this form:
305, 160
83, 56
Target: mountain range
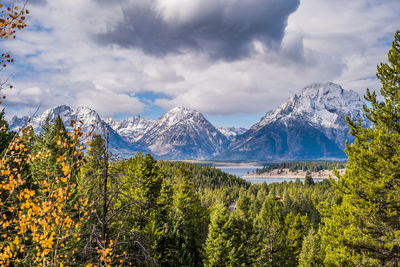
309, 125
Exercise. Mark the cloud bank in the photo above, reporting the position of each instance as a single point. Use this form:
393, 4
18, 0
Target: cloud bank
221, 29
221, 57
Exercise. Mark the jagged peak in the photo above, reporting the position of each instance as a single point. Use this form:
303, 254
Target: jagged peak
67, 110
323, 86
323, 90
57, 110
179, 114
84, 110
61, 107
318, 103
231, 132
181, 109
133, 120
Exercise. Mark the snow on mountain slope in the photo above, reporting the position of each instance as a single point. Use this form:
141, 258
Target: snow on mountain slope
179, 134
91, 120
16, 123
322, 105
231, 132
311, 124
132, 129
86, 118
183, 134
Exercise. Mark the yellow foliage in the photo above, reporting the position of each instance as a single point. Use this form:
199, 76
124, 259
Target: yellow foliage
40, 218
36, 224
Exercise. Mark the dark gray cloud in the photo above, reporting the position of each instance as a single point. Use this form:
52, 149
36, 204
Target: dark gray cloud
220, 29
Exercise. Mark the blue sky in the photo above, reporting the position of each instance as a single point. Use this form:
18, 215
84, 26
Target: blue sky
232, 60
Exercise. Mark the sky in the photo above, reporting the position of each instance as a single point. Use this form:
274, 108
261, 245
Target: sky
232, 60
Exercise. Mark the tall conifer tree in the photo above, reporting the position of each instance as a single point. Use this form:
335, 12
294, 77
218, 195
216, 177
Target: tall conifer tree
311, 254
188, 225
5, 134
269, 240
364, 228
216, 249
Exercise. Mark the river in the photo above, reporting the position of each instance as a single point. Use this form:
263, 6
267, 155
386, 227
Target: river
241, 171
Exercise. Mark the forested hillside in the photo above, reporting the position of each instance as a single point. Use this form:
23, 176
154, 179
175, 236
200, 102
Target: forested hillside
65, 200
140, 211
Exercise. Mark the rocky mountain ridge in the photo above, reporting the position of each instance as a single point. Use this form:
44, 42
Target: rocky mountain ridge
231, 132
86, 118
132, 129
322, 105
179, 134
182, 133
309, 125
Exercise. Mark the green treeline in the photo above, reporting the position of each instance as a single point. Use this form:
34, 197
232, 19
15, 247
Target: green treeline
60, 206
311, 166
191, 215
203, 176
161, 213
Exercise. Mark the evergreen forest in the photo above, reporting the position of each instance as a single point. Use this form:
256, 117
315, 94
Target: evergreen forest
144, 212
310, 166
66, 200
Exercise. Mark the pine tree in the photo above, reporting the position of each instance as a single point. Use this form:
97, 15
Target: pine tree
187, 226
146, 177
90, 186
311, 254
364, 227
141, 182
239, 231
50, 144
160, 224
92, 171
269, 240
216, 249
308, 180
298, 226
5, 134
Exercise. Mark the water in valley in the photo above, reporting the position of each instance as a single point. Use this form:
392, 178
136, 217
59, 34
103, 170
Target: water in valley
241, 171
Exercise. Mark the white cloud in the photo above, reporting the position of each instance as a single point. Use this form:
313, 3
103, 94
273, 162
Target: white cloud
58, 60
106, 102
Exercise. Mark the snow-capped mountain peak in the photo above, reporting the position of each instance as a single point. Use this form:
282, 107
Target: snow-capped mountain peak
52, 113
311, 124
132, 128
179, 109
231, 132
87, 119
183, 133
18, 122
179, 114
323, 104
